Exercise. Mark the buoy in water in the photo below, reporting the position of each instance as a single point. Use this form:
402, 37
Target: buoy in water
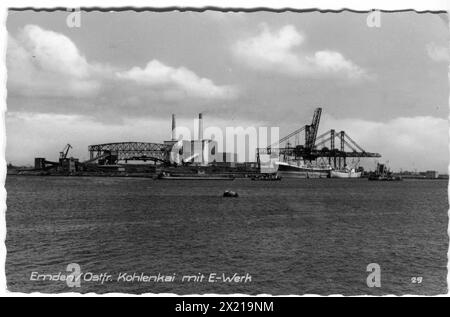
229, 193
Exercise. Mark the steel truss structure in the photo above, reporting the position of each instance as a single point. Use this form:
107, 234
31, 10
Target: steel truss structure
127, 151
320, 147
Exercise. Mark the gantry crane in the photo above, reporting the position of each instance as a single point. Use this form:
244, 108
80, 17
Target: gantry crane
311, 151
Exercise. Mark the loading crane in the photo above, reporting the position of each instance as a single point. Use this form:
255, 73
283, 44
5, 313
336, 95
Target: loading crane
65, 151
324, 149
64, 163
310, 131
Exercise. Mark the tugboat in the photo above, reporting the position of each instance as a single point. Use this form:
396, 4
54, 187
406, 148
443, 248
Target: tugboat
382, 173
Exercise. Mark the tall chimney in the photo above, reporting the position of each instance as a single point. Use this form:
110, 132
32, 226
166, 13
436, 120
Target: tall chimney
200, 127
173, 127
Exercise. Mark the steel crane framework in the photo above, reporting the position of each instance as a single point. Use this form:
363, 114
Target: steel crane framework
322, 147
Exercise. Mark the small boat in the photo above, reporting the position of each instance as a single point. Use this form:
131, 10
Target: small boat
230, 193
196, 177
266, 177
345, 173
385, 178
382, 173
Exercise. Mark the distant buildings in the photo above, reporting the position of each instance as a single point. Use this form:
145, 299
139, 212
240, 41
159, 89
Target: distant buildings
423, 175
430, 174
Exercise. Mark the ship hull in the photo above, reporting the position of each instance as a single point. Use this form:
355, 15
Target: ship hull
292, 171
345, 174
196, 178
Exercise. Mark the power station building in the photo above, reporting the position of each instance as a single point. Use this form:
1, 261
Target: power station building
197, 152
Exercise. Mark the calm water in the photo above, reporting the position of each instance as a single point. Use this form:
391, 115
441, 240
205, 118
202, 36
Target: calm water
293, 237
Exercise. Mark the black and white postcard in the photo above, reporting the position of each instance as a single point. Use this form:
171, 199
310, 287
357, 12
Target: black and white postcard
277, 151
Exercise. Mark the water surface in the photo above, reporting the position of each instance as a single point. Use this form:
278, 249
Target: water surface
293, 237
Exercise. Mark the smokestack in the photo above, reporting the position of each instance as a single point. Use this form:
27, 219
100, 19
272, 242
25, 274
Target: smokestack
200, 127
173, 127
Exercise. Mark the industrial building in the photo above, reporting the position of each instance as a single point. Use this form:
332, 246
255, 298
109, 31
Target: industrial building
200, 152
202, 155
197, 152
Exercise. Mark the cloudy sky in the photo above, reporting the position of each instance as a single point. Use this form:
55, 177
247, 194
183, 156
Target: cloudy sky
121, 75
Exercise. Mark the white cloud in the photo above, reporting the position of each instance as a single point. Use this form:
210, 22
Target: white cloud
54, 52
179, 81
281, 52
333, 62
42, 62
438, 53
48, 64
406, 142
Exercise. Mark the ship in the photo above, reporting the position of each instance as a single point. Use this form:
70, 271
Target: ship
286, 170
345, 173
266, 177
192, 176
382, 173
